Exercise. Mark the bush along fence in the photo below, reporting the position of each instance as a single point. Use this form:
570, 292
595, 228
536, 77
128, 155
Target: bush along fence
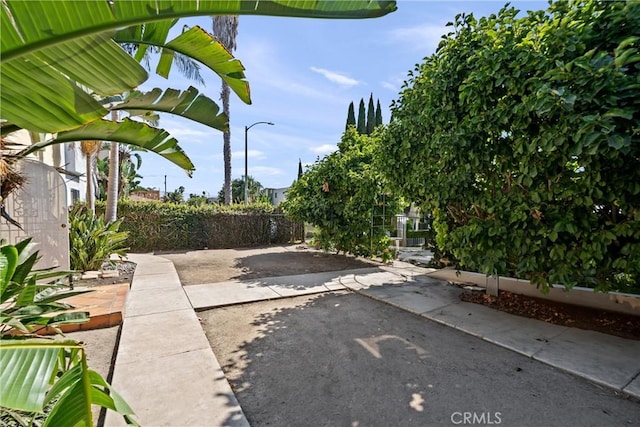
157, 226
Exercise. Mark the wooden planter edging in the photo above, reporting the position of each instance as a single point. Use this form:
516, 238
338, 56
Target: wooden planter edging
586, 297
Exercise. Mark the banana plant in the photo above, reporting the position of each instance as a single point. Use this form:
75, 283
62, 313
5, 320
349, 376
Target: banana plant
39, 371
189, 104
56, 55
194, 43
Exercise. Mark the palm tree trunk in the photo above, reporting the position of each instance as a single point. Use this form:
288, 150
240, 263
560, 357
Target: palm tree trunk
111, 213
225, 28
89, 149
226, 149
91, 198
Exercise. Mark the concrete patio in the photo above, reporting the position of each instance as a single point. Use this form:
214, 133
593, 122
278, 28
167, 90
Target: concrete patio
164, 361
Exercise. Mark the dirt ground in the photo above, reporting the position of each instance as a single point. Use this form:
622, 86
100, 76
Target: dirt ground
219, 265
239, 335
342, 359
210, 266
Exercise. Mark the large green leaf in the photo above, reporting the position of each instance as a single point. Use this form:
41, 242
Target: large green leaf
8, 264
195, 43
189, 104
29, 382
24, 269
27, 368
150, 33
38, 90
76, 391
46, 47
32, 25
126, 132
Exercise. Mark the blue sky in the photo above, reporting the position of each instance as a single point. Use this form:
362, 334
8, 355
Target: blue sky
303, 74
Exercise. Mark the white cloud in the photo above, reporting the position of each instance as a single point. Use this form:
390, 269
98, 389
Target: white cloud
324, 149
264, 171
265, 69
394, 83
188, 135
336, 77
252, 154
389, 86
424, 38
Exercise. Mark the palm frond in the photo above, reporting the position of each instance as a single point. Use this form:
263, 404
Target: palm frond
188, 68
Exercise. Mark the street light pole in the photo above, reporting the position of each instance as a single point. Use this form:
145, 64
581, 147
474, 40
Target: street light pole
246, 159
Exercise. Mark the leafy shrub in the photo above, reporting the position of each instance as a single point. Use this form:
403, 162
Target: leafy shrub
520, 136
342, 195
45, 372
414, 234
157, 226
92, 241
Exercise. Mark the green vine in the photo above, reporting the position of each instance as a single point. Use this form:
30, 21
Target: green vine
521, 136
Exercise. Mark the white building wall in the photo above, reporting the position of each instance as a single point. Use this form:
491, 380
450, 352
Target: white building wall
76, 178
277, 195
67, 156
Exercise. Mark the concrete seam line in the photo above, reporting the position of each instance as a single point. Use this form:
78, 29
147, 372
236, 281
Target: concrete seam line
637, 375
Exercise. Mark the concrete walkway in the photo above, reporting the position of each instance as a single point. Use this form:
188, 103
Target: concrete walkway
166, 371
165, 368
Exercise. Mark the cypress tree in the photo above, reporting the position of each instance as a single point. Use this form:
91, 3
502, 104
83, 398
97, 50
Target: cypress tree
362, 126
371, 116
300, 163
378, 114
351, 116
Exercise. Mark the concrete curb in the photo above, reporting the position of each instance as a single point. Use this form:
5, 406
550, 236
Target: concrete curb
602, 359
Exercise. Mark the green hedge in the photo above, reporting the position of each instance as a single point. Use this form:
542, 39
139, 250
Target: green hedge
520, 136
158, 226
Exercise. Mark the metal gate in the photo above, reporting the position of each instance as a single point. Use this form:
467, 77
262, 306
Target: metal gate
41, 208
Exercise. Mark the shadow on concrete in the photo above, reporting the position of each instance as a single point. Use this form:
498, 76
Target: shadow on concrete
290, 263
344, 359
222, 265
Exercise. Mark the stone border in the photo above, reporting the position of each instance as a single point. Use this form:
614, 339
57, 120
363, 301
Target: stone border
613, 301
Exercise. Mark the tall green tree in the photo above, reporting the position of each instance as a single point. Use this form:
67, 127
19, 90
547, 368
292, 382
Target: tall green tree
371, 116
225, 27
175, 196
351, 116
130, 163
531, 167
340, 194
237, 191
378, 114
362, 118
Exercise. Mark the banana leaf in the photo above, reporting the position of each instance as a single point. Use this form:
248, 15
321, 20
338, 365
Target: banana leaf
51, 51
127, 132
30, 382
189, 104
194, 43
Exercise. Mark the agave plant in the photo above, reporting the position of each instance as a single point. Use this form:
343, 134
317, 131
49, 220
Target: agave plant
41, 372
92, 241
